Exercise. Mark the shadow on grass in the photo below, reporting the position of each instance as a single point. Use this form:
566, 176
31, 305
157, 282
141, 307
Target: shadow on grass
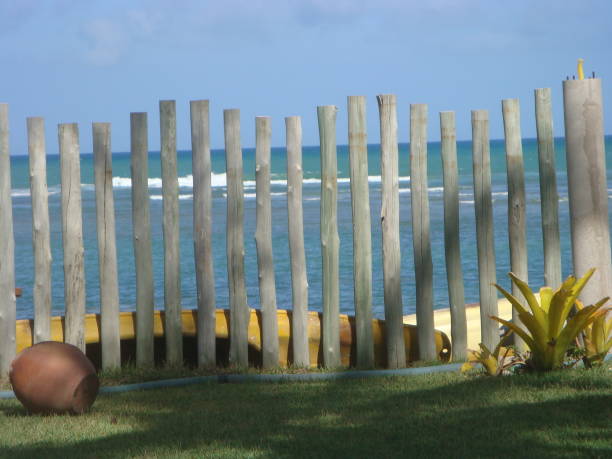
527, 416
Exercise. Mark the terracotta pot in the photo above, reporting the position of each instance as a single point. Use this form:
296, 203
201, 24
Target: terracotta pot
52, 377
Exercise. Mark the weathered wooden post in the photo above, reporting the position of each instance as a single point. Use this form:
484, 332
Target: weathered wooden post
516, 202
239, 310
586, 173
171, 228
389, 217
72, 235
549, 198
202, 232
41, 234
452, 246
141, 224
297, 254
263, 239
362, 237
8, 309
423, 266
107, 249
330, 242
484, 227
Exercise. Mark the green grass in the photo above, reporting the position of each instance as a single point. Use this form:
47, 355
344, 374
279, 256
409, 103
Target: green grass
561, 414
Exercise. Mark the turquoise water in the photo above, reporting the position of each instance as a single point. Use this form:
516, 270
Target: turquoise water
311, 164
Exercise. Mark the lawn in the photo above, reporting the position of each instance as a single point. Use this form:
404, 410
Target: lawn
562, 414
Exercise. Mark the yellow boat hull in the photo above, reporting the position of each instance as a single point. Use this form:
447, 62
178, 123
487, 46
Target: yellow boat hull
127, 330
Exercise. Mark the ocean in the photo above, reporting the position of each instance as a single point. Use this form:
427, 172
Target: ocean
311, 202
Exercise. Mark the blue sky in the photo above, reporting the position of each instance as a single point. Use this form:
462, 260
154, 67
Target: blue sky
82, 61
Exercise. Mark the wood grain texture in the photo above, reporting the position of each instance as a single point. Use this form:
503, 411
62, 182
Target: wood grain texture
107, 245
171, 229
452, 245
484, 227
330, 242
549, 197
8, 311
299, 280
141, 227
41, 233
239, 310
517, 238
362, 230
72, 235
389, 217
202, 232
587, 185
421, 243
263, 240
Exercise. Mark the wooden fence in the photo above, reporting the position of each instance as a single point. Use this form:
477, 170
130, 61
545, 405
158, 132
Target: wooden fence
202, 225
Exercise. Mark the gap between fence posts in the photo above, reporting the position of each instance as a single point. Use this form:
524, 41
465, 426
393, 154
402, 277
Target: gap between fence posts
41, 233
549, 198
517, 239
330, 242
263, 240
141, 227
239, 310
452, 244
8, 307
394, 321
362, 230
173, 332
423, 265
107, 248
484, 227
297, 255
72, 235
202, 232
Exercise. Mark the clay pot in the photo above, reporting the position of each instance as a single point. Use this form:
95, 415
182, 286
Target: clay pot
52, 377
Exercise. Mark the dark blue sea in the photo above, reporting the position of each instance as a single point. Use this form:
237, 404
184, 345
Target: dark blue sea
311, 166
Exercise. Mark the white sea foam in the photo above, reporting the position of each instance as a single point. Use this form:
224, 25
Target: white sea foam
220, 181
159, 197
20, 193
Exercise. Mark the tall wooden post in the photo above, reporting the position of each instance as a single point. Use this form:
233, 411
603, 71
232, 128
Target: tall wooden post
452, 245
423, 266
362, 238
41, 233
297, 254
8, 309
586, 174
239, 310
549, 198
72, 235
484, 227
107, 249
171, 228
202, 232
389, 217
516, 202
330, 242
141, 224
263, 239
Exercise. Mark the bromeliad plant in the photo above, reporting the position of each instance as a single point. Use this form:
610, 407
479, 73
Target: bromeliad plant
494, 363
549, 329
597, 339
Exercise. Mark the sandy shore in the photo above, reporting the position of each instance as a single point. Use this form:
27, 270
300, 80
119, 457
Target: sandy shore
442, 320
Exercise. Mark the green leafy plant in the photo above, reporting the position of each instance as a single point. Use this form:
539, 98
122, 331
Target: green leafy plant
550, 331
597, 339
494, 363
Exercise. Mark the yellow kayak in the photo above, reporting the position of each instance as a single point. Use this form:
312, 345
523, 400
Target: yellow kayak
347, 333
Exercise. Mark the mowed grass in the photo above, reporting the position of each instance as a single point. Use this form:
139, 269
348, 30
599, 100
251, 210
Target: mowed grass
561, 414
